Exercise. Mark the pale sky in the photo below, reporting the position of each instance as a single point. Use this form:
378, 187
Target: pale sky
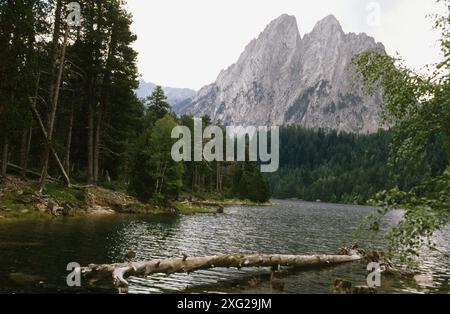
186, 43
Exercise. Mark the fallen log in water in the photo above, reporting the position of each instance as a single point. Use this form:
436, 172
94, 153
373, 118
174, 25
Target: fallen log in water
120, 271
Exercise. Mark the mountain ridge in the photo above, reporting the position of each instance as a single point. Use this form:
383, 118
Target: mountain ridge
175, 96
281, 78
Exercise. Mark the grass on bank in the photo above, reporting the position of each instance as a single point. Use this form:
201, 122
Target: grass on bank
18, 199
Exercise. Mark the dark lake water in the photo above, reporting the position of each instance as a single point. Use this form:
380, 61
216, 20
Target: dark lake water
39, 251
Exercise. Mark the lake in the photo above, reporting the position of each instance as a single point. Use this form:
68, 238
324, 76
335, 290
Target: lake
34, 254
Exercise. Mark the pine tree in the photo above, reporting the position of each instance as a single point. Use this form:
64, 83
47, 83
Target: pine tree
157, 104
155, 174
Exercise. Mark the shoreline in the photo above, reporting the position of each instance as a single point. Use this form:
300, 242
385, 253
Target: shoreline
20, 201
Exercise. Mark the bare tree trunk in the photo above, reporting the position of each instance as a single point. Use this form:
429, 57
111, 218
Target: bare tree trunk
119, 272
193, 179
54, 61
126, 166
92, 101
90, 144
157, 186
220, 179
5, 150
53, 151
54, 51
104, 102
52, 117
158, 174
23, 152
126, 171
107, 176
197, 181
217, 177
69, 141
27, 154
5, 153
97, 146
44, 132
163, 173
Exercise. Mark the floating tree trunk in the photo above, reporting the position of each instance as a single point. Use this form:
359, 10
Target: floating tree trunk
120, 271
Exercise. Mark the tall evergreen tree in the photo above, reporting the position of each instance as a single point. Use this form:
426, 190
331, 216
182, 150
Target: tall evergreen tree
156, 175
157, 105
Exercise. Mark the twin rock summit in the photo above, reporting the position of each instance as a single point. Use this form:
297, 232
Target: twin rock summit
282, 78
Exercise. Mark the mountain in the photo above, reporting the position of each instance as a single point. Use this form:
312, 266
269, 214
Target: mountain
282, 79
175, 96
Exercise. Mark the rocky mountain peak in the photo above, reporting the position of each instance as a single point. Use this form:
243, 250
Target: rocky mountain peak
280, 33
284, 22
328, 23
281, 78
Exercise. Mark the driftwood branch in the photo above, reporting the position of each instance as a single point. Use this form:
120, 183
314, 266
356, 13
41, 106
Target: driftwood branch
119, 272
35, 173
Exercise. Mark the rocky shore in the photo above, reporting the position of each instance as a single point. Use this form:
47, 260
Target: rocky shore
19, 199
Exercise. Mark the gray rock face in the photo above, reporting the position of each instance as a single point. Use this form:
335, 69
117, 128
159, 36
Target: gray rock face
281, 78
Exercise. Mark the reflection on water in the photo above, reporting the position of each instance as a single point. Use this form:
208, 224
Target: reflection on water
32, 250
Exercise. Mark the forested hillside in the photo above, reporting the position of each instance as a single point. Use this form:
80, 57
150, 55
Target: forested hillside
315, 165
347, 168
